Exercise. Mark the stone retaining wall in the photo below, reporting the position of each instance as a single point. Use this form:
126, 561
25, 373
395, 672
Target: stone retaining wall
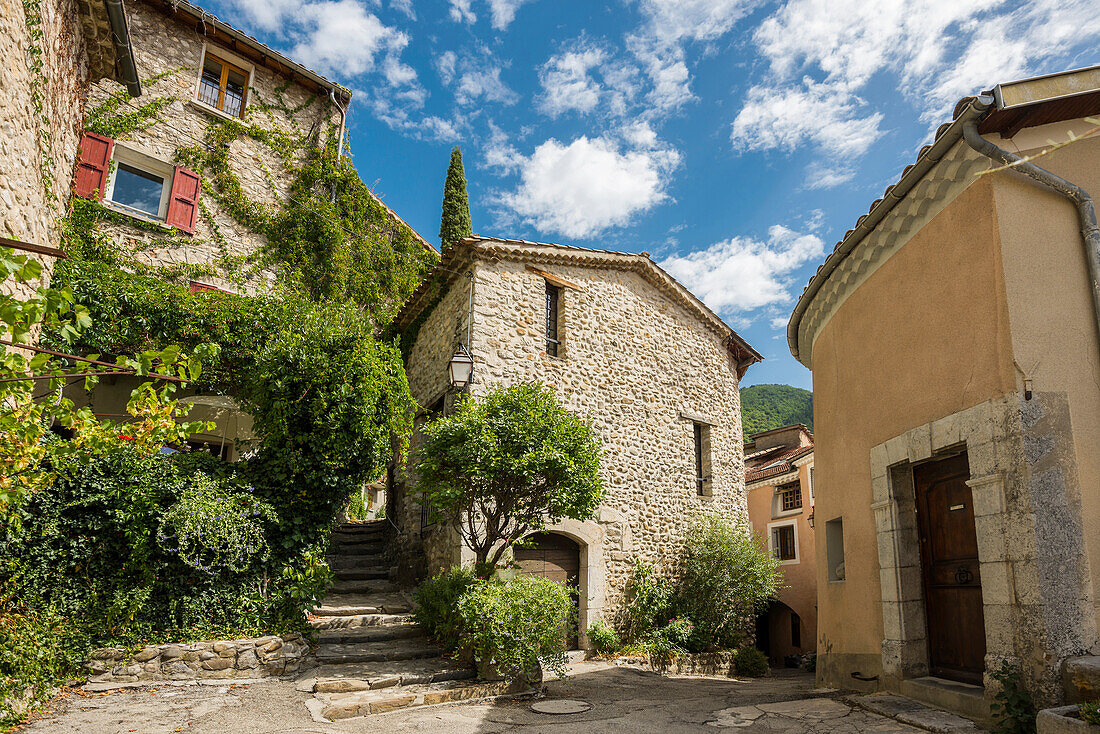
706, 663
251, 658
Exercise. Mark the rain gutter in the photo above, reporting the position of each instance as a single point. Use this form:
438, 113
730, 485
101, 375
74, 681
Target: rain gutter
1086, 210
972, 110
124, 50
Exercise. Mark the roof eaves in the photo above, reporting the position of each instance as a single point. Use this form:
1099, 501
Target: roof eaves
967, 110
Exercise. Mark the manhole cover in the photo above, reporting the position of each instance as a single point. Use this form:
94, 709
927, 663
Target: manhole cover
561, 707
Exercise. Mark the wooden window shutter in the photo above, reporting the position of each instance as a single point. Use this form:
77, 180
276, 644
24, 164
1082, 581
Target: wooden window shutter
93, 162
183, 206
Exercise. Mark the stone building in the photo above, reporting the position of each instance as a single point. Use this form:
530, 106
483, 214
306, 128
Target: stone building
53, 50
779, 476
952, 336
623, 345
199, 76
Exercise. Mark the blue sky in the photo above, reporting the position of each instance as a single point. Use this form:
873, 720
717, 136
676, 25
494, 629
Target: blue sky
734, 140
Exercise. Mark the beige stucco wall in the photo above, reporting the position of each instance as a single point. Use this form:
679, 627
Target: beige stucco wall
799, 585
925, 336
1053, 327
631, 362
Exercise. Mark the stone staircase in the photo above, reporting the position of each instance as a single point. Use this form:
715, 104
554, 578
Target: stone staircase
371, 656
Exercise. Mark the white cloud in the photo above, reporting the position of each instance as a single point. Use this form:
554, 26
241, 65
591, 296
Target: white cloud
499, 153
742, 273
827, 175
567, 83
934, 51
405, 7
462, 11
344, 38
480, 81
589, 185
673, 21
445, 65
783, 118
503, 12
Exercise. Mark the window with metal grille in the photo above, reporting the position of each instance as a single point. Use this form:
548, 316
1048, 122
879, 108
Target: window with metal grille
790, 497
222, 86
553, 306
783, 542
700, 477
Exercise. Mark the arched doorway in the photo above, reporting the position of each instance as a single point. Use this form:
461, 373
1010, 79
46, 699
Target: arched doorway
779, 633
557, 558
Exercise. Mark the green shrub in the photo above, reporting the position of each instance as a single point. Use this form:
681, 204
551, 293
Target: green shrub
357, 508
38, 650
648, 603
751, 662
1090, 712
437, 604
1012, 708
513, 624
605, 640
726, 576
678, 632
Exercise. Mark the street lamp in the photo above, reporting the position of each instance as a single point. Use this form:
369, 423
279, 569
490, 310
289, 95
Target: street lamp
461, 367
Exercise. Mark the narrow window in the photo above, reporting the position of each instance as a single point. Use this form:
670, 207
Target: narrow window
811, 483
796, 630
222, 86
701, 433
783, 543
834, 549
553, 299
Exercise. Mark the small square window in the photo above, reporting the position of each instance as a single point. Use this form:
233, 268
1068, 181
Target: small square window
223, 85
790, 497
139, 183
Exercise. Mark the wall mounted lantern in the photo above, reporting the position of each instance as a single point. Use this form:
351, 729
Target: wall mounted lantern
461, 367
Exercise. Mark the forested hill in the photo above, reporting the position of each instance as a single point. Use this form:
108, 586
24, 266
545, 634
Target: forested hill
764, 407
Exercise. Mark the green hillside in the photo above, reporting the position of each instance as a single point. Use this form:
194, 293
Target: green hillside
764, 407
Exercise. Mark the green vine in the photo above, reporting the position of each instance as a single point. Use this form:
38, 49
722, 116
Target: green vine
32, 15
105, 118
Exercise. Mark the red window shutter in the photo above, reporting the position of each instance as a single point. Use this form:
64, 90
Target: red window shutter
183, 207
93, 162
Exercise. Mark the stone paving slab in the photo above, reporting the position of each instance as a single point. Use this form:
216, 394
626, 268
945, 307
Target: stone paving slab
915, 713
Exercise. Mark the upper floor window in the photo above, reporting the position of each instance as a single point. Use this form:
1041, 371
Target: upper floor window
790, 497
553, 311
701, 432
223, 85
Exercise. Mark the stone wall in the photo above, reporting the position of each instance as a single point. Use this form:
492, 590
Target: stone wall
251, 658
637, 365
38, 149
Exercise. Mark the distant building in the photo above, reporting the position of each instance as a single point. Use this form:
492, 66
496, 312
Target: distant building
779, 471
622, 344
953, 340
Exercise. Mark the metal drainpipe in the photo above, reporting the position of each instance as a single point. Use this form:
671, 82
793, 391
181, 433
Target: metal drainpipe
124, 50
1086, 211
343, 122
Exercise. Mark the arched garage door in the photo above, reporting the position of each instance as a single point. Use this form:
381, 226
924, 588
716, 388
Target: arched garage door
557, 558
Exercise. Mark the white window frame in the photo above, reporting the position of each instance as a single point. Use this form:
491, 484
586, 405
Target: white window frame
771, 540
777, 501
145, 162
227, 55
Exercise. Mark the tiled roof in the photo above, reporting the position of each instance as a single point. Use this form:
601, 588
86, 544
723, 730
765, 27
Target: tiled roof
456, 260
773, 462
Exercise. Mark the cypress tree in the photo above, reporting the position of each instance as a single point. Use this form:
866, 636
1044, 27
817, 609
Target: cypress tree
455, 223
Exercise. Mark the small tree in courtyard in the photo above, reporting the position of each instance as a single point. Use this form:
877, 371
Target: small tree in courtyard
455, 222
507, 464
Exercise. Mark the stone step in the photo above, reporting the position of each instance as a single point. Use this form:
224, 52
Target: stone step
355, 560
344, 605
378, 633
359, 546
337, 706
362, 573
363, 586
351, 621
342, 678
376, 652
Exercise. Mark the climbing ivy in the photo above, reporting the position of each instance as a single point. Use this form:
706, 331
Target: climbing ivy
32, 17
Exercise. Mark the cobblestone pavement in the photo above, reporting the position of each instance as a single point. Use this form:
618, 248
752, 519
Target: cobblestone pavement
623, 700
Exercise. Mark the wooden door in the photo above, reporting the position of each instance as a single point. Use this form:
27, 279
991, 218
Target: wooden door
557, 558
949, 562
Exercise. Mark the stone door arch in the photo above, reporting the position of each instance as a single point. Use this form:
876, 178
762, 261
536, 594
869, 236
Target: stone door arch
558, 558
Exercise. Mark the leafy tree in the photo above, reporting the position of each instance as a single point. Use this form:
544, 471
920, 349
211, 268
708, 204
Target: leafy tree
455, 223
507, 464
726, 575
764, 407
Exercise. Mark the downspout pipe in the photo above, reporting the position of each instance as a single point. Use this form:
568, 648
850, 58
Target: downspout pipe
1086, 210
343, 122
124, 49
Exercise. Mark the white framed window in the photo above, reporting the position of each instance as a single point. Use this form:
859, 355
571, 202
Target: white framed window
139, 184
787, 499
783, 541
223, 82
